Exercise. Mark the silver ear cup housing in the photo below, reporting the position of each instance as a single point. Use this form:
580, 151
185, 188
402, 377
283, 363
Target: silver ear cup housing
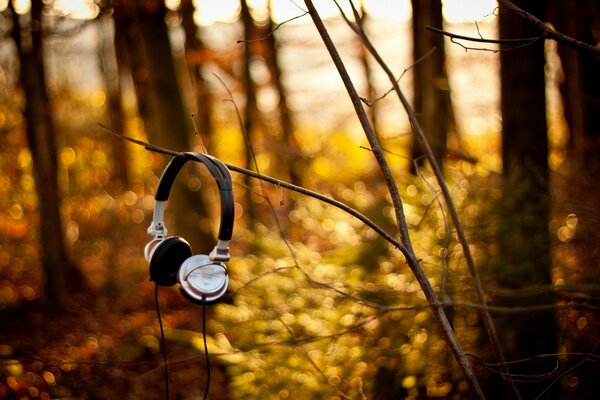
203, 280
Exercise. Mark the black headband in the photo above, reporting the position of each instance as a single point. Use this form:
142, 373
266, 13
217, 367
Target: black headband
221, 175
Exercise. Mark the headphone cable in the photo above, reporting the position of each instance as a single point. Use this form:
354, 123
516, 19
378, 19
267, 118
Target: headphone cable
164, 344
205, 351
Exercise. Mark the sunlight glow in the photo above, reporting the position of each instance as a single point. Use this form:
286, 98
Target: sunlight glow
227, 11
21, 6
284, 10
398, 11
79, 9
467, 10
209, 11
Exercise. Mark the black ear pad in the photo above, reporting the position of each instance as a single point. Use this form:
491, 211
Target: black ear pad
166, 259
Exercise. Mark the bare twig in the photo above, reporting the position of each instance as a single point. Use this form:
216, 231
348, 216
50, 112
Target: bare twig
423, 57
514, 43
197, 134
483, 40
548, 32
528, 378
568, 371
272, 32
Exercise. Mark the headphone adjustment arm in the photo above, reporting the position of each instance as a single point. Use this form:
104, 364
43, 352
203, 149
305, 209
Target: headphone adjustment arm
157, 229
220, 252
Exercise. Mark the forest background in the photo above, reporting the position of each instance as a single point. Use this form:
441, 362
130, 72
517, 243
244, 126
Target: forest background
490, 225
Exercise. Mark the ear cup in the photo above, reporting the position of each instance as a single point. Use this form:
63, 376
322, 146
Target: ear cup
202, 280
166, 258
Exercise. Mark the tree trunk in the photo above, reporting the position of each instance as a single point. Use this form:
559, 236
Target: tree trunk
194, 51
524, 261
289, 154
110, 73
431, 93
251, 108
131, 60
581, 84
42, 143
577, 189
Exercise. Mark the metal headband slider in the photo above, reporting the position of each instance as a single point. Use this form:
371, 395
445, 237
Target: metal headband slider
220, 252
157, 229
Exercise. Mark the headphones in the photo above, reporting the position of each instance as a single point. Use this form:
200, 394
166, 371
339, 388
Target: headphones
202, 278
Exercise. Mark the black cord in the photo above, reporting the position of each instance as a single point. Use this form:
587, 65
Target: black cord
205, 351
164, 345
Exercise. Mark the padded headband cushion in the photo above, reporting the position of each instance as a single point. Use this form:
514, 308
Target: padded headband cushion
221, 175
166, 259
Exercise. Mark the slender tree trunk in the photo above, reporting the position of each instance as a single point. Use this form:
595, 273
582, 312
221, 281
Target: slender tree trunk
524, 238
41, 135
194, 50
165, 95
131, 60
110, 72
577, 189
431, 92
251, 108
289, 154
581, 84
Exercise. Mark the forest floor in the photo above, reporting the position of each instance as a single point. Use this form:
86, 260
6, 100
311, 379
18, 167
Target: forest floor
101, 347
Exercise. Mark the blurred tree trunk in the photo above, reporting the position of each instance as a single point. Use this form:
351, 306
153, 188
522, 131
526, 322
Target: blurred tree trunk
577, 188
110, 73
194, 52
288, 155
41, 134
165, 96
581, 83
431, 93
524, 261
120, 175
131, 60
163, 110
251, 108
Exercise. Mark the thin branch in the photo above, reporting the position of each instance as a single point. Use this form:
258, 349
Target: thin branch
379, 230
525, 41
523, 378
197, 134
591, 356
413, 263
272, 32
419, 60
568, 371
548, 32
514, 43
